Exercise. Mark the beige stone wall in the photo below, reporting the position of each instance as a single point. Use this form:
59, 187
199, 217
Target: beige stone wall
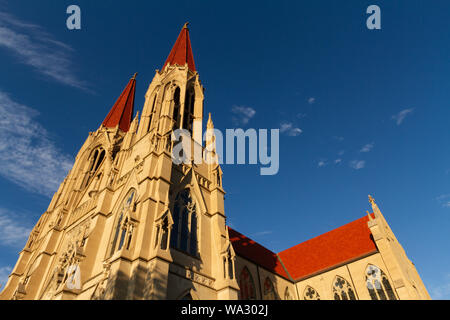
353, 272
259, 275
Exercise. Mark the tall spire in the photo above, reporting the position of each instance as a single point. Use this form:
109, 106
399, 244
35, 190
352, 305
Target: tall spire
181, 53
122, 112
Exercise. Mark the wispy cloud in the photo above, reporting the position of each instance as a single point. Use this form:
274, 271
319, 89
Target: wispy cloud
27, 154
242, 114
289, 129
357, 164
444, 200
14, 231
367, 148
4, 274
321, 163
311, 100
262, 233
338, 138
400, 117
338, 161
35, 47
441, 291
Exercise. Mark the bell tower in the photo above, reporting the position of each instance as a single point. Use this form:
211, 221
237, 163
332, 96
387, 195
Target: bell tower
128, 222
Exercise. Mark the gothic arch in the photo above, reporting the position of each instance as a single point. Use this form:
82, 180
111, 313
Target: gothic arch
124, 224
269, 292
153, 102
378, 284
288, 295
342, 290
163, 225
247, 285
310, 294
94, 161
186, 223
189, 107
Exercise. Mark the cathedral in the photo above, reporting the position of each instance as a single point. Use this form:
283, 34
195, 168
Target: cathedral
129, 223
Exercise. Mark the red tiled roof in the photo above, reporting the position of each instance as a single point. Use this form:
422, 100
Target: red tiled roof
182, 51
256, 253
122, 112
333, 248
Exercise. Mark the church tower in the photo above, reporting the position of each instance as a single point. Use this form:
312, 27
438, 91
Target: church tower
128, 222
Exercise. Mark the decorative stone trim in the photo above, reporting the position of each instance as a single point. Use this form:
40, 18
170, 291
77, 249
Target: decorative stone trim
192, 275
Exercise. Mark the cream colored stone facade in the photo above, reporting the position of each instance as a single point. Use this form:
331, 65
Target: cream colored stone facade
107, 233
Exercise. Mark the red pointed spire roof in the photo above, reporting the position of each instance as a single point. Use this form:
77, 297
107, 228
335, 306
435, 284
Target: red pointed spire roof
181, 53
122, 112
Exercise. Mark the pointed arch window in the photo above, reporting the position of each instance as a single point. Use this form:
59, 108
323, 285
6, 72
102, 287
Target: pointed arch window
269, 290
176, 108
246, 285
378, 284
163, 226
228, 264
342, 290
95, 160
152, 111
287, 294
124, 227
188, 115
310, 294
184, 235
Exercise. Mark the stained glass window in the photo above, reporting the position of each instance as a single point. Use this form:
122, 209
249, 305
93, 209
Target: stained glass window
123, 231
247, 285
342, 290
378, 284
269, 290
311, 294
185, 224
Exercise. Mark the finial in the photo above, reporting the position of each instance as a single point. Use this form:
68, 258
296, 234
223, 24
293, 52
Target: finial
210, 124
371, 199
134, 77
186, 25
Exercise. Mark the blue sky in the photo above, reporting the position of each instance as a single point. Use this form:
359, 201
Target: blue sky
361, 112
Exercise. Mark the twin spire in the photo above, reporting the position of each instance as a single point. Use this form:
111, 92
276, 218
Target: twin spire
181, 53
121, 113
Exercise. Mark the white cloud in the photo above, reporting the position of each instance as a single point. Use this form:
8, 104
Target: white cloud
444, 200
321, 163
28, 157
399, 117
338, 138
337, 161
341, 153
262, 233
367, 148
290, 129
242, 114
13, 232
357, 164
4, 274
442, 291
35, 47
311, 100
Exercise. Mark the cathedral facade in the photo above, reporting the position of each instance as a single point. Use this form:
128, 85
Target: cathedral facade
129, 223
